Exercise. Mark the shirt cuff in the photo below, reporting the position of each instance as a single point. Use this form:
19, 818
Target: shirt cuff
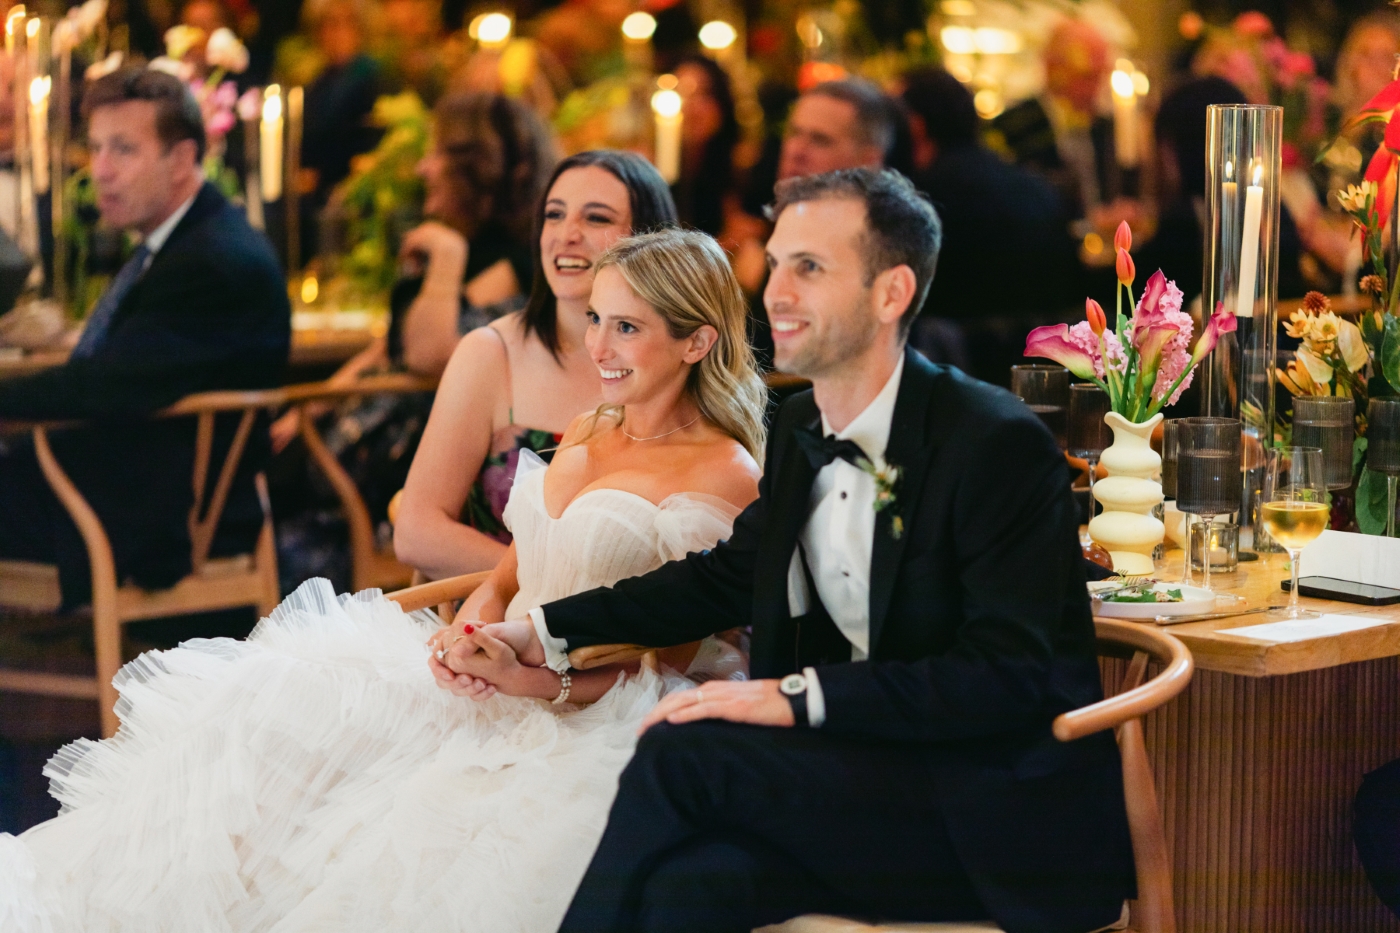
816, 700
556, 650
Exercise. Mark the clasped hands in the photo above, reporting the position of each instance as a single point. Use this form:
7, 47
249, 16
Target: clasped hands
478, 660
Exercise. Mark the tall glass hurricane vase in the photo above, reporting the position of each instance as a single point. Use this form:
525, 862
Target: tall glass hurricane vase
1244, 145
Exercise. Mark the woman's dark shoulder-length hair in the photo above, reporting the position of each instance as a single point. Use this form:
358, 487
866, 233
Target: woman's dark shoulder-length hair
652, 209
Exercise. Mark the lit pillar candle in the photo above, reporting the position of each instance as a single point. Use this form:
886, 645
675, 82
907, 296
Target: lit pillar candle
1249, 245
270, 163
637, 30
666, 104
1125, 119
39, 131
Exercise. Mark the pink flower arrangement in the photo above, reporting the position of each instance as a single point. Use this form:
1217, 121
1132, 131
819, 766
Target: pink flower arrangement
1146, 361
217, 105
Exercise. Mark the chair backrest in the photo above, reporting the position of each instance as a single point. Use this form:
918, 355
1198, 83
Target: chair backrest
1153, 911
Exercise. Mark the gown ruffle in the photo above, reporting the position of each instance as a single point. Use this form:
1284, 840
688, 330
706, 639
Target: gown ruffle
314, 778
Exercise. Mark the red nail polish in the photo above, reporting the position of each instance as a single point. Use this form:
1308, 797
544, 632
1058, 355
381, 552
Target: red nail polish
470, 629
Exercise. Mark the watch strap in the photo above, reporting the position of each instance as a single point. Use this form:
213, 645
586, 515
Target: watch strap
798, 702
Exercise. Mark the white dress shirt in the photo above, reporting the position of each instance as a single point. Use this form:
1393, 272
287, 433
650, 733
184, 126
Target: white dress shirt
839, 536
838, 541
157, 237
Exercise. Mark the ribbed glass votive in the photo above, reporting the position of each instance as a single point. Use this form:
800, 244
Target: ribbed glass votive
1328, 422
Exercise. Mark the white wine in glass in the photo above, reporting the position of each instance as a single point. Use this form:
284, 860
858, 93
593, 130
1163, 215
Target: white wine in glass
1295, 510
1295, 524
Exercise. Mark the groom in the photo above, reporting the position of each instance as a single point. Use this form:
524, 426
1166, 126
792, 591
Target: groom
919, 619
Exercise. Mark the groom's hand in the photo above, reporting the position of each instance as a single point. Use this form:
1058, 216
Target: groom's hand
757, 702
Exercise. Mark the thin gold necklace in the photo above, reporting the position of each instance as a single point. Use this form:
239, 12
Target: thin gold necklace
659, 436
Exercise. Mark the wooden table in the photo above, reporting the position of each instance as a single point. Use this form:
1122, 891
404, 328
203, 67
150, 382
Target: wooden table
1259, 759
311, 347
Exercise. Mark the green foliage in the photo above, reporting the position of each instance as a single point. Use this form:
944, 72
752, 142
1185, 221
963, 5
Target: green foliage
383, 194
1370, 501
1389, 356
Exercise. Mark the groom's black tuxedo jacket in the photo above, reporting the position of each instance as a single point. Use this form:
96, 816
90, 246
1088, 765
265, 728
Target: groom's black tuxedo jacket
980, 632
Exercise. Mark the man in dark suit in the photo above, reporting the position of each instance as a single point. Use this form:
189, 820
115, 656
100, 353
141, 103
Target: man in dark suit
200, 305
913, 578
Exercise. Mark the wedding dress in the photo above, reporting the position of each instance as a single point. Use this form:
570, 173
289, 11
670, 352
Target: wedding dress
314, 777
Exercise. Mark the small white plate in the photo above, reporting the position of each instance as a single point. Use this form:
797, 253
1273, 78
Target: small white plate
1194, 600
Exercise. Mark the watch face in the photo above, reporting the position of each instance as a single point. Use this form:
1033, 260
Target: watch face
793, 684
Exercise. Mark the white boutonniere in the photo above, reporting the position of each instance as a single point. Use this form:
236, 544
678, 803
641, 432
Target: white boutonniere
886, 476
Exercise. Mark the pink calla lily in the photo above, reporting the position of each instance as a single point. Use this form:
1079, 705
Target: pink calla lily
1053, 343
1221, 322
1149, 341
1152, 294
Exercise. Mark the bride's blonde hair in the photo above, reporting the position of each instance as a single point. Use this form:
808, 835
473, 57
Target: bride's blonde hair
686, 278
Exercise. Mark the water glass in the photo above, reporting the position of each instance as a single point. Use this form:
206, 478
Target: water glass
1089, 435
1327, 422
1383, 450
1209, 475
1046, 390
1169, 458
1295, 509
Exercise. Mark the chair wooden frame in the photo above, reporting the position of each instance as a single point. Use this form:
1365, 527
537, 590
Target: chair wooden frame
369, 566
1152, 911
213, 583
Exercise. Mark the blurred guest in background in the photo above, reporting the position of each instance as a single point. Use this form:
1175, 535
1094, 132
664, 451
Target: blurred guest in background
519, 382
710, 131
995, 216
1365, 65
849, 123
411, 48
1060, 134
338, 104
200, 305
470, 264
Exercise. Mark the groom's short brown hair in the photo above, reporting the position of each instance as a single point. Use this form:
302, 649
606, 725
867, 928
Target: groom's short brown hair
178, 116
901, 226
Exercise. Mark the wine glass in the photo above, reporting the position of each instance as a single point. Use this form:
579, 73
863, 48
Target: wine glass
1089, 435
1209, 478
1295, 509
1383, 450
1046, 390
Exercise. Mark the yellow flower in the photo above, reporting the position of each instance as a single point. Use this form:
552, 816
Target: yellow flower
1355, 197
180, 39
1325, 330
1298, 325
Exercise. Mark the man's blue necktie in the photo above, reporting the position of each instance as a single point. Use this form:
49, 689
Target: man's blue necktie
101, 318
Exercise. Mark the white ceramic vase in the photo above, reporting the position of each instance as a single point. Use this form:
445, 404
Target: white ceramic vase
1126, 528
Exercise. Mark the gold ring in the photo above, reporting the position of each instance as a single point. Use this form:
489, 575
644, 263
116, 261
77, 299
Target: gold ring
455, 640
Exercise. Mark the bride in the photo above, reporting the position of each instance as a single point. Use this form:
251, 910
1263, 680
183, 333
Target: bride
314, 777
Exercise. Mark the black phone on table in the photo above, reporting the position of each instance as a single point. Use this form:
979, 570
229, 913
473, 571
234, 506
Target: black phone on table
1347, 591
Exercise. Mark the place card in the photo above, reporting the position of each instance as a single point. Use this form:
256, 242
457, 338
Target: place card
1358, 558
1304, 629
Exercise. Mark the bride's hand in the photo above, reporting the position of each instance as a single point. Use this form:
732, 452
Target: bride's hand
438, 644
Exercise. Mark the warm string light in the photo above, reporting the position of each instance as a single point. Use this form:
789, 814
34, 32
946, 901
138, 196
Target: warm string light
639, 26
492, 30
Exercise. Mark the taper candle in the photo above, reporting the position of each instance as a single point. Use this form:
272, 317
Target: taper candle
270, 163
1249, 246
39, 89
666, 104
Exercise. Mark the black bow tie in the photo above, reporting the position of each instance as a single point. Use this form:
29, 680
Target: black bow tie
821, 451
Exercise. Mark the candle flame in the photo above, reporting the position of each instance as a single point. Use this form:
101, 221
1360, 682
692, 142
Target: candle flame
1229, 169
666, 103
1258, 173
39, 90
1122, 84
310, 289
12, 20
272, 102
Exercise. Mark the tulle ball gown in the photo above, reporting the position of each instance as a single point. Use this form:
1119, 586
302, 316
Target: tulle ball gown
314, 778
